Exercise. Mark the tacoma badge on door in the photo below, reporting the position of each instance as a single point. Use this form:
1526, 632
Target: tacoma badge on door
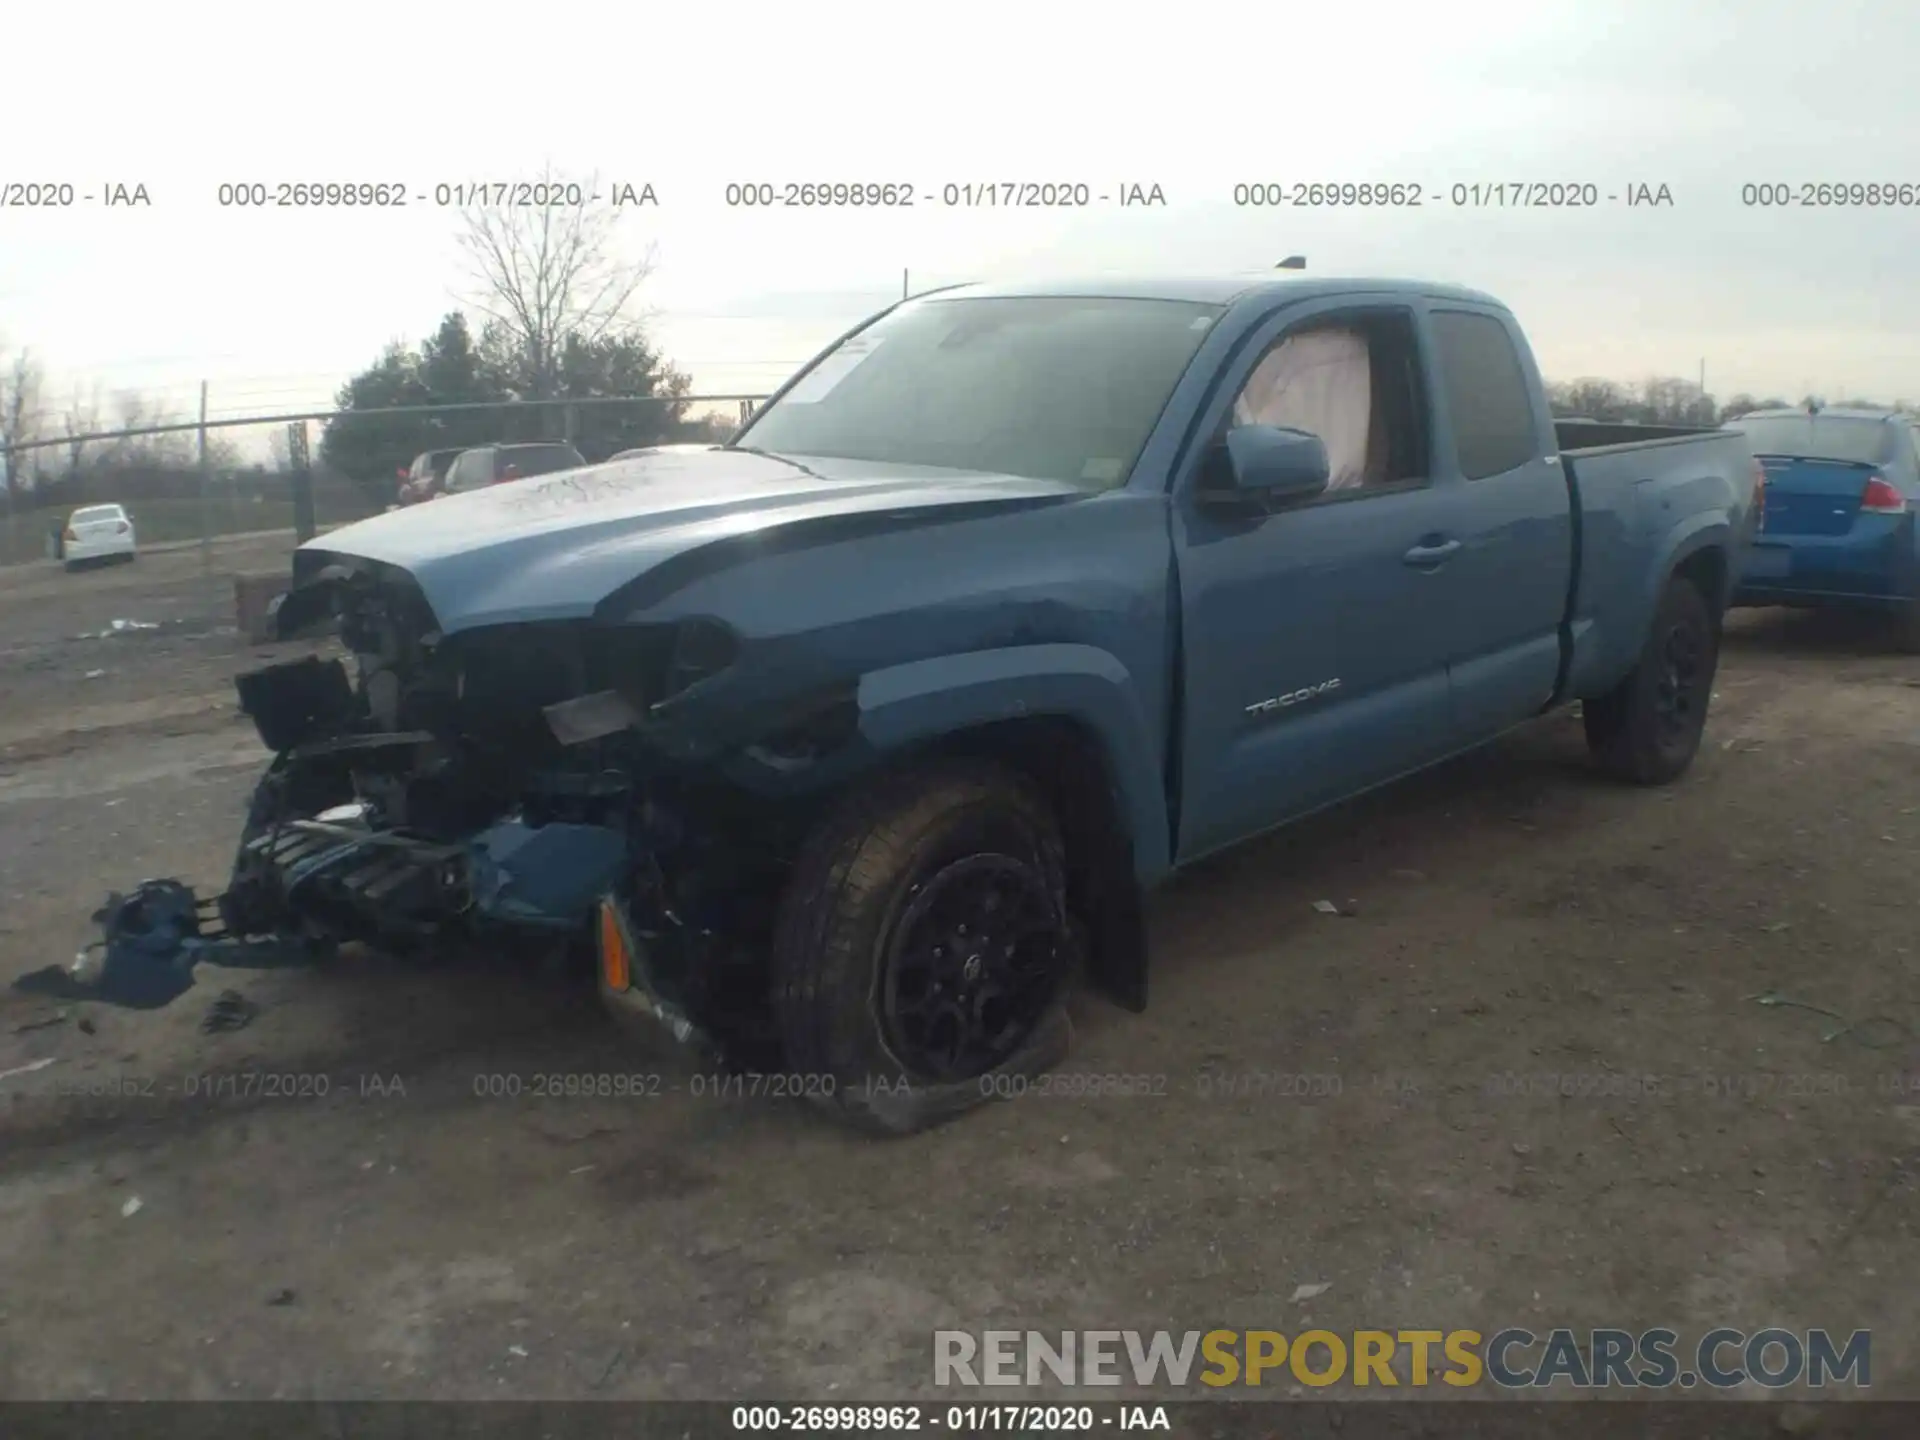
1281, 702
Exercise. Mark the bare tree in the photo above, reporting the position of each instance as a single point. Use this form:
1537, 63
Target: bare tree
19, 419
82, 418
1596, 399
132, 411
554, 273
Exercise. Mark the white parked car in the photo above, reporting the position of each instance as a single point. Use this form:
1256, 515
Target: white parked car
98, 532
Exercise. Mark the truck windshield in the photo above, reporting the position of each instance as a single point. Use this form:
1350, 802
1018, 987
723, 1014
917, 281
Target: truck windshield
1048, 388
1849, 439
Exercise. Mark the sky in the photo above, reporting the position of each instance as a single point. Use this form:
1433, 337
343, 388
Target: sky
275, 308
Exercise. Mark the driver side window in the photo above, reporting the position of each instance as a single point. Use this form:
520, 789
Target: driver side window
1355, 381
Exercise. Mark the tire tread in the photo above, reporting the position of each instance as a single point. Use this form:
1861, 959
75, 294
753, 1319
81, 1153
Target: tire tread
843, 870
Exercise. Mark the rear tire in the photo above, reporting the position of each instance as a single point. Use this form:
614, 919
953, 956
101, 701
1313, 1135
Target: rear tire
1647, 729
922, 948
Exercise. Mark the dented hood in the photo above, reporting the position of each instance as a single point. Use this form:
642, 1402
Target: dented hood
556, 546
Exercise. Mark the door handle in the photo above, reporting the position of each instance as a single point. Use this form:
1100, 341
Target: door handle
1427, 557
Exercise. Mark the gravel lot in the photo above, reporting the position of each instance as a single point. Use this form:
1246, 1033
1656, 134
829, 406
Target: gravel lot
412, 1234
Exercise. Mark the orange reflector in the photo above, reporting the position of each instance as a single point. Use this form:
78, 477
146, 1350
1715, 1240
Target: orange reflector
615, 968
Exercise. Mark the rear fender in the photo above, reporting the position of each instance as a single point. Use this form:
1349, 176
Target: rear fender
1604, 653
1675, 549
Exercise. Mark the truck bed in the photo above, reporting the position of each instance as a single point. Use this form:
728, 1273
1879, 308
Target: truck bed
1607, 435
1632, 485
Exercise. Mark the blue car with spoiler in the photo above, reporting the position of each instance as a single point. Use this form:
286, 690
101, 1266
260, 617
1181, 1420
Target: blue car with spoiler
1843, 486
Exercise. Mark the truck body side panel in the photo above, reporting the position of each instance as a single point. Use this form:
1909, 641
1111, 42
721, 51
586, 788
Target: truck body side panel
1645, 509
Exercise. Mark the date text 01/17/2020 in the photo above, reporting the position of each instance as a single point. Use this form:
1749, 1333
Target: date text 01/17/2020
1474, 195
651, 1085
462, 195
972, 1419
950, 195
238, 1085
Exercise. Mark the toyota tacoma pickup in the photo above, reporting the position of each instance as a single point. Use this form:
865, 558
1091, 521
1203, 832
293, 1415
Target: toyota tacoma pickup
846, 745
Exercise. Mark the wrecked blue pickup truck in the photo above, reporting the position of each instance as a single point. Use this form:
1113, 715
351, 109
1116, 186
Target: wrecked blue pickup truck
846, 745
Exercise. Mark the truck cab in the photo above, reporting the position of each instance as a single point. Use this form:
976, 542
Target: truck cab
1409, 609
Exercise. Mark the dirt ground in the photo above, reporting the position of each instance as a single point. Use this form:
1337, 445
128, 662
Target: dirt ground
414, 1232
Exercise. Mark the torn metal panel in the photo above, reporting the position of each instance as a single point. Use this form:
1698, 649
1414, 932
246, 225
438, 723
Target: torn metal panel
150, 943
546, 876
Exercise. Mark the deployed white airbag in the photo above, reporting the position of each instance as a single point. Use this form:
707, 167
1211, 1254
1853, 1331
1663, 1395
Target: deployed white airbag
1320, 381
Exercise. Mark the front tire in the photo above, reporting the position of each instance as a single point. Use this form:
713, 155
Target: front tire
1647, 729
922, 947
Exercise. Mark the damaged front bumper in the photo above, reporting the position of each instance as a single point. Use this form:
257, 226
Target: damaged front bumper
152, 941
303, 884
513, 876
554, 785
338, 872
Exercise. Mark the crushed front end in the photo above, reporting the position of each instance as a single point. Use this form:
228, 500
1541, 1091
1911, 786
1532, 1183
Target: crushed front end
514, 785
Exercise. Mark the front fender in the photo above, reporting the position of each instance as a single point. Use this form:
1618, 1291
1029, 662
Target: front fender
909, 705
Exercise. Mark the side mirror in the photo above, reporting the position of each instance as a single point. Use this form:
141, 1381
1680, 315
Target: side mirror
1271, 463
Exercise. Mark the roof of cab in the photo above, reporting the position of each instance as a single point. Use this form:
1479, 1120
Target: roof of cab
1212, 289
